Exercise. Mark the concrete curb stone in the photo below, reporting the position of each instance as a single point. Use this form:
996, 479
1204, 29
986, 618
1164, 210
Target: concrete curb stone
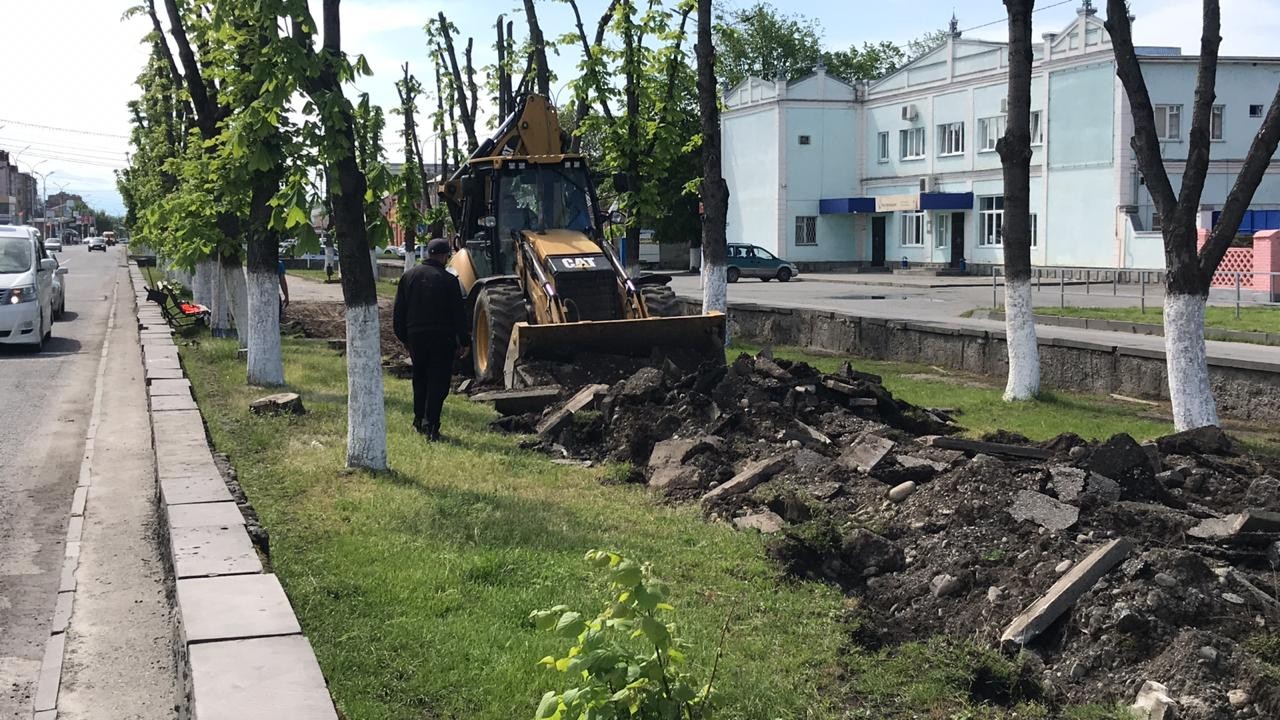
240, 644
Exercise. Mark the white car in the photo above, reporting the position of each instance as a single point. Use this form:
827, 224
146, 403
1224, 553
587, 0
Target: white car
53, 244
97, 243
26, 287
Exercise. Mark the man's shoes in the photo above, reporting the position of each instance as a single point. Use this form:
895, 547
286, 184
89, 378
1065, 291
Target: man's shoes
421, 428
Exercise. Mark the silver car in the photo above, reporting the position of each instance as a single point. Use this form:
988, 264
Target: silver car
754, 261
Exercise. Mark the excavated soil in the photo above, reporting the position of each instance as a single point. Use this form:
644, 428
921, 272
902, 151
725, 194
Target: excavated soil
328, 321
982, 532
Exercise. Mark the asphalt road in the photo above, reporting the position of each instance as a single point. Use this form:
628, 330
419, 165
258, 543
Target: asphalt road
45, 402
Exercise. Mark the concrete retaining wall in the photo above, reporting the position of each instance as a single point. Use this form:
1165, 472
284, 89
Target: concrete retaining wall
1257, 338
1244, 389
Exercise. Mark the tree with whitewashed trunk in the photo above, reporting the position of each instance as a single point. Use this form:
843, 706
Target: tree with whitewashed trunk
714, 189
1015, 157
1188, 272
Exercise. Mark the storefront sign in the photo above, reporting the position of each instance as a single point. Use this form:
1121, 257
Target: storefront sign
898, 203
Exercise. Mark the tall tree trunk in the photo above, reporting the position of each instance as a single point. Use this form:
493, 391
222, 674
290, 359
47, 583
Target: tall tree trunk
541, 69
202, 282
463, 104
346, 185
237, 298
219, 318
631, 63
715, 191
1015, 157
266, 364
501, 47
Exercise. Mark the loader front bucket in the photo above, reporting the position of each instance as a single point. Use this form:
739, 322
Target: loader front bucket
697, 336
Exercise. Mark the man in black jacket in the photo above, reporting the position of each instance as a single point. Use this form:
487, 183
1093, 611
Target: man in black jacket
431, 321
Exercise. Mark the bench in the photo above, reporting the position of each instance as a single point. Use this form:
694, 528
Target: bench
177, 312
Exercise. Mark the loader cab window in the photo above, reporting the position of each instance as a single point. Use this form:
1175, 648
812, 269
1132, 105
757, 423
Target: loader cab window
544, 197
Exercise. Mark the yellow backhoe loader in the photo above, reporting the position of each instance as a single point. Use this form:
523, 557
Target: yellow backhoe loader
541, 281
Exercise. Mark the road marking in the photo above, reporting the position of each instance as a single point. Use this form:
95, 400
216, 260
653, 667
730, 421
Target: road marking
45, 700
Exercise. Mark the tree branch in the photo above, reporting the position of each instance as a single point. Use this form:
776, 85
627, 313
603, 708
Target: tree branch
1255, 166
163, 45
202, 100
464, 108
1146, 144
1198, 140
673, 69
588, 51
543, 76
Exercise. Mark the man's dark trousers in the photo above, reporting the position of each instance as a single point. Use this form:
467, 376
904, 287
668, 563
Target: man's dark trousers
432, 356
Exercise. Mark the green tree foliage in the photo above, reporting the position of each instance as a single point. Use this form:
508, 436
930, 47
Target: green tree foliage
763, 42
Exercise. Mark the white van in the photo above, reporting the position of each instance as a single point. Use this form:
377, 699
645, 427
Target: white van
26, 287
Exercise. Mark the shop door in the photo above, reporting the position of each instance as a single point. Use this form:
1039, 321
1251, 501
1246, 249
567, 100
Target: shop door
877, 241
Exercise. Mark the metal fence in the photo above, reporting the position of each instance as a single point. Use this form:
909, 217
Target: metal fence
1242, 288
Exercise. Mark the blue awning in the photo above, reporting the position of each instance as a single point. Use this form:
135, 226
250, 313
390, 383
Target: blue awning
1254, 221
946, 201
835, 206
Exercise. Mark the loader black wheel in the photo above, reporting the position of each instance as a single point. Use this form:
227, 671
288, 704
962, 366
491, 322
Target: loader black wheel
497, 310
660, 300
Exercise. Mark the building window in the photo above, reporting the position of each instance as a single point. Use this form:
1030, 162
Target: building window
805, 139
991, 221
1155, 220
882, 144
806, 230
1037, 128
1215, 122
951, 139
942, 231
990, 130
912, 142
1035, 230
1169, 122
913, 229
1255, 111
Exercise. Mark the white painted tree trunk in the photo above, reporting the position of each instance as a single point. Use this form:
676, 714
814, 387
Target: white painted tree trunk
202, 283
328, 256
715, 293
410, 259
1187, 362
266, 366
237, 301
218, 322
1020, 334
373, 262
366, 412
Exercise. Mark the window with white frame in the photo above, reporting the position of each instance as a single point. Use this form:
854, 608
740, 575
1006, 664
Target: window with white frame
942, 231
882, 146
806, 230
911, 143
805, 140
1037, 128
991, 221
913, 229
1169, 122
990, 130
951, 139
1256, 111
1215, 122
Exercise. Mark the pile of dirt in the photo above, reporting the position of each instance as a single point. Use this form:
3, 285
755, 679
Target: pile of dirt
1105, 564
328, 321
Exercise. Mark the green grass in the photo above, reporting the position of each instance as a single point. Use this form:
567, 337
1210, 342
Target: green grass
1252, 319
414, 586
983, 409
385, 288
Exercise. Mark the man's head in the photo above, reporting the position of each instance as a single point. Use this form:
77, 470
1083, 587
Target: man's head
438, 250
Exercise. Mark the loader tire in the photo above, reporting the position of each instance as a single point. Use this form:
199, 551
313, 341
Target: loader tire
660, 300
497, 310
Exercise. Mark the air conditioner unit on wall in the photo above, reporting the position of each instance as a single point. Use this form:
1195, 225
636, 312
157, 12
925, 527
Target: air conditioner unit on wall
909, 112
926, 184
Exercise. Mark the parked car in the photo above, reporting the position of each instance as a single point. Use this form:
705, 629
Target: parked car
755, 261
59, 290
53, 244
26, 287
97, 243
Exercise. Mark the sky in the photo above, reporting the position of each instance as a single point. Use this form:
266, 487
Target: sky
70, 65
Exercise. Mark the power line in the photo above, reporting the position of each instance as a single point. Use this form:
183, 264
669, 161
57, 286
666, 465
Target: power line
59, 129
63, 149
1001, 20
29, 141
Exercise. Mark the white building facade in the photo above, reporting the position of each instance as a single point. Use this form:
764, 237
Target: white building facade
904, 169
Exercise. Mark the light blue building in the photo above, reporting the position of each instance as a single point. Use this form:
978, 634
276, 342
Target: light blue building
905, 167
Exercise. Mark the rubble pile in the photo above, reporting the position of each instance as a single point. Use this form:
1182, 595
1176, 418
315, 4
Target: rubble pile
1120, 571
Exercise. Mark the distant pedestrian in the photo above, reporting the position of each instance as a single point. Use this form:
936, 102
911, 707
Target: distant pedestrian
430, 319
284, 287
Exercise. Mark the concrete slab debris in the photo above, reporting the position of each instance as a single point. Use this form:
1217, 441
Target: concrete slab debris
585, 399
765, 521
866, 453
991, 448
1043, 510
756, 472
1064, 593
519, 402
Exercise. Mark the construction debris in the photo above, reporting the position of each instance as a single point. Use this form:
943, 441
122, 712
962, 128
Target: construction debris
278, 404
1108, 562
519, 402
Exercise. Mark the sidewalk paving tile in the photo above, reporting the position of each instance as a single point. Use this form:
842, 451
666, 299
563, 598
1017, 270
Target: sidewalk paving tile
203, 514
234, 607
258, 679
196, 489
164, 373
168, 403
212, 550
163, 362
180, 387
